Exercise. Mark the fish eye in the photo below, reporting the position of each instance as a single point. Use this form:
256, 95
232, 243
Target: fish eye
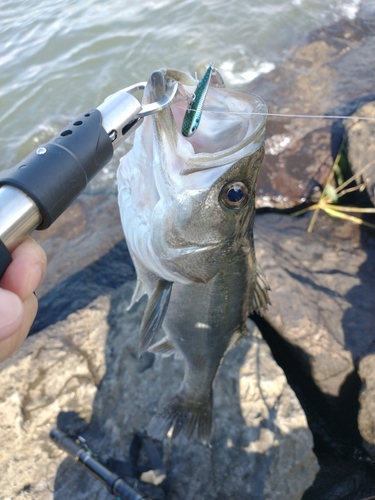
234, 195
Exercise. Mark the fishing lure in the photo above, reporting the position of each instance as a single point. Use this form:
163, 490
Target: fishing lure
193, 114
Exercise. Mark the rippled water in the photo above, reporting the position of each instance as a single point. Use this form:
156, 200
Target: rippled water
60, 58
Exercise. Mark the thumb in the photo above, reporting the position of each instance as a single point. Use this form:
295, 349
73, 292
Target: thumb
11, 313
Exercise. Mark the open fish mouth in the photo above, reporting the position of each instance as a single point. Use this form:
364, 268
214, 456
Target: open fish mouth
164, 178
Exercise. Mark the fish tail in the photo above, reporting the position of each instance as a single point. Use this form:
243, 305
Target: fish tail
184, 416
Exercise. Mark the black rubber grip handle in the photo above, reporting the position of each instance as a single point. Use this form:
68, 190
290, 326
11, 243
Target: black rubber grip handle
57, 172
5, 258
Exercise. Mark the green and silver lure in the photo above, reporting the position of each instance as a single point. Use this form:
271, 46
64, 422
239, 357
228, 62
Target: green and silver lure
193, 114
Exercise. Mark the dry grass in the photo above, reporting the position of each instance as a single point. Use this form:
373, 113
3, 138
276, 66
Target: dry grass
331, 195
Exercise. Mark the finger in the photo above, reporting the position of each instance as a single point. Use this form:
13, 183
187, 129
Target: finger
10, 344
12, 313
27, 270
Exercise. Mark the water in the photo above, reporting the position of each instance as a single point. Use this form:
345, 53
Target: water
60, 58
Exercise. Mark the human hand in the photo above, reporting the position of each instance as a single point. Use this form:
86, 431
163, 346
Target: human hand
18, 304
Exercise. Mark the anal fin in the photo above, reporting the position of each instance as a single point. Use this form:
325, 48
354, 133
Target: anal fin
154, 314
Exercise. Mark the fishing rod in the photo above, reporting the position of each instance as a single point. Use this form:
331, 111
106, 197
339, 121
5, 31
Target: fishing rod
76, 447
35, 192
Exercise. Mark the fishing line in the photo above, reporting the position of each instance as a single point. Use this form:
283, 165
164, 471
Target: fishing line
326, 117
285, 115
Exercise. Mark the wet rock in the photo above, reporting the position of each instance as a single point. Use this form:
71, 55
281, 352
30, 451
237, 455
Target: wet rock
331, 73
361, 146
83, 372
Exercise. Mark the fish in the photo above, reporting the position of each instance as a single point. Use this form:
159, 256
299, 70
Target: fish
187, 207
193, 113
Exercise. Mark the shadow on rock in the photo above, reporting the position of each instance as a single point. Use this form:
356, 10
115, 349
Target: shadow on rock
345, 473
358, 320
76, 292
360, 340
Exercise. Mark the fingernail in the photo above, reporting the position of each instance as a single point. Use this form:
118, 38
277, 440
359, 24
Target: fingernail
10, 312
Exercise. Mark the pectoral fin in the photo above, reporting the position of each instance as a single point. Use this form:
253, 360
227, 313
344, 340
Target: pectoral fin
154, 314
165, 348
261, 298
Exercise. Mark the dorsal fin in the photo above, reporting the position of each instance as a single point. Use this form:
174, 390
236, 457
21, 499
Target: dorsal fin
261, 298
154, 314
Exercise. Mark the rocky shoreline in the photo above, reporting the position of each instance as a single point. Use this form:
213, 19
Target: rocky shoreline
294, 402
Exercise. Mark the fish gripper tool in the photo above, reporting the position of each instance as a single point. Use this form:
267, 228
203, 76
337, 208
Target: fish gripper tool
35, 192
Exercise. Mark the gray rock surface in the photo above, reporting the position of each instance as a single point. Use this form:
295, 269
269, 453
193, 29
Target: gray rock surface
322, 292
56, 371
361, 146
323, 305
83, 372
321, 283
366, 417
86, 231
361, 152
329, 73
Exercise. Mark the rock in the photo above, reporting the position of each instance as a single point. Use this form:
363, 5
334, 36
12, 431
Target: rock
86, 231
75, 292
56, 371
340, 479
361, 146
323, 305
321, 283
83, 372
274, 430
330, 73
366, 417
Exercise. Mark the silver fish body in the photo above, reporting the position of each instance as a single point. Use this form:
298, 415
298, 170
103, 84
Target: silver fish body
187, 209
